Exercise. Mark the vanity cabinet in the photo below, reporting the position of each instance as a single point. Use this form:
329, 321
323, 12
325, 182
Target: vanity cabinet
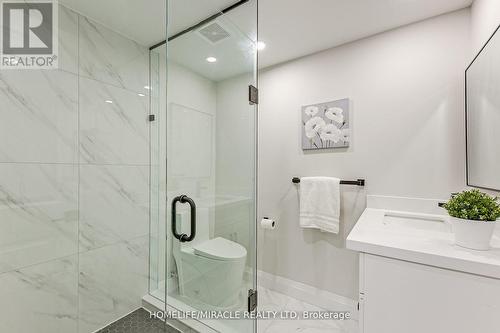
398, 296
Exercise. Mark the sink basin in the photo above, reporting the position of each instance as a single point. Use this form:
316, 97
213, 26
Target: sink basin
422, 222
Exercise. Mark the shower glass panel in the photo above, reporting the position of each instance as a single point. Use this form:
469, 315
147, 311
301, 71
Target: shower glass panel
203, 160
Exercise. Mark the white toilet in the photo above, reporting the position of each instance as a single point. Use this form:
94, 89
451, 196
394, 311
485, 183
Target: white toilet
210, 271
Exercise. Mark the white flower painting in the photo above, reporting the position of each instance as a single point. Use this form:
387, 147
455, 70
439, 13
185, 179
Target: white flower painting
311, 111
314, 126
326, 125
335, 114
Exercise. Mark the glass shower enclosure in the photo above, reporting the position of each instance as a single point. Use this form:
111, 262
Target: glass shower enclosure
203, 161
127, 170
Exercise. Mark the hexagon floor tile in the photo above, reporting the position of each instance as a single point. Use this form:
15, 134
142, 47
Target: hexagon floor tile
138, 322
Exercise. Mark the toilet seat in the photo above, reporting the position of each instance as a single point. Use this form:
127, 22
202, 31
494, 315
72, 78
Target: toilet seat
220, 249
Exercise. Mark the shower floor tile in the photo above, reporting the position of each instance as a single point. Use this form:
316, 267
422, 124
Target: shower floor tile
138, 322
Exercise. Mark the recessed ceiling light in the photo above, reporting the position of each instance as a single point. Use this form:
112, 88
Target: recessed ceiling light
109, 101
261, 45
147, 87
211, 59
142, 95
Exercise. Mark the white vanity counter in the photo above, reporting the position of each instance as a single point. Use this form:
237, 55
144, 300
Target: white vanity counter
413, 279
420, 238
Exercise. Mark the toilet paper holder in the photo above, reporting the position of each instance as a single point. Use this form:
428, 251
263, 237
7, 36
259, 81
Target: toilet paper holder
272, 225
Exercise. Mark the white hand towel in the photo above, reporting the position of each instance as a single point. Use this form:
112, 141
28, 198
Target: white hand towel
320, 203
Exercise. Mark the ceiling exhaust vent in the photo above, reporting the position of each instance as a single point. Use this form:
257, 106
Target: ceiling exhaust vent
214, 33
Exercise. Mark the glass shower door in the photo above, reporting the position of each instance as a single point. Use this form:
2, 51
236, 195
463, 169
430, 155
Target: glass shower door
207, 136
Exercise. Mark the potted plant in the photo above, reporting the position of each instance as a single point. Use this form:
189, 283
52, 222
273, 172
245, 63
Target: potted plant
473, 216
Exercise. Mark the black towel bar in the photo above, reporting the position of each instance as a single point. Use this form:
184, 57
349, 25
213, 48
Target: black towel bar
359, 182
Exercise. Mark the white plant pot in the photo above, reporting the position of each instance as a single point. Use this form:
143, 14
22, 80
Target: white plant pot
475, 235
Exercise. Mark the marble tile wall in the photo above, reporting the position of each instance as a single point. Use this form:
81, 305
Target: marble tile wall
113, 280
112, 133
113, 204
111, 58
74, 184
38, 213
41, 298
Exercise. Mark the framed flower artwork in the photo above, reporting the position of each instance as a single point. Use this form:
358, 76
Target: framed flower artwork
326, 125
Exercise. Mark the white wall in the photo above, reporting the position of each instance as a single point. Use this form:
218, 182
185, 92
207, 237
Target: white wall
407, 90
485, 18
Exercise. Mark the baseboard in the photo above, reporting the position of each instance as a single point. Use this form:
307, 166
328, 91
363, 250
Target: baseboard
305, 293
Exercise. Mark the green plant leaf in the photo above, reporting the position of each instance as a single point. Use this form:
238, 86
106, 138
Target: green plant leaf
473, 205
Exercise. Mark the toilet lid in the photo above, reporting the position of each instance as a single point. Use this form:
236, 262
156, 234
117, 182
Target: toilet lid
221, 249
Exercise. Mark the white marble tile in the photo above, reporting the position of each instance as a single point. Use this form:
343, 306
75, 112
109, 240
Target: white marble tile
68, 40
314, 325
113, 280
293, 304
112, 58
38, 213
112, 133
38, 116
270, 300
40, 298
114, 203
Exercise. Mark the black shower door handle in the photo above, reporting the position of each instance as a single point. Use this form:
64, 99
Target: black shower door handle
183, 237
